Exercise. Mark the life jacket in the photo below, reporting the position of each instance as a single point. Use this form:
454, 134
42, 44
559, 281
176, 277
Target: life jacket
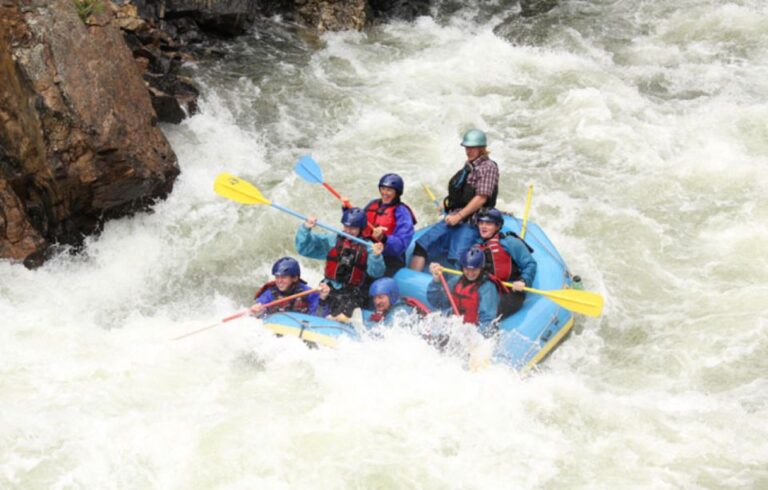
299, 305
497, 261
347, 262
467, 298
417, 306
460, 192
380, 214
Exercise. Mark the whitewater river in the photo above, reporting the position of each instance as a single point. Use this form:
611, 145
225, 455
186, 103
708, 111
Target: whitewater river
643, 127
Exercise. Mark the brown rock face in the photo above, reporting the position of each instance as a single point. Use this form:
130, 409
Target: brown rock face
333, 15
78, 137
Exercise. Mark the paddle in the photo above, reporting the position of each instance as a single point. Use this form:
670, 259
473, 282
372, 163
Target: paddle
525, 214
450, 296
584, 302
432, 197
249, 310
308, 169
238, 190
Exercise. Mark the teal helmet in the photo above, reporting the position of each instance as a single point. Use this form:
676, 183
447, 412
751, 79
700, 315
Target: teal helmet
474, 138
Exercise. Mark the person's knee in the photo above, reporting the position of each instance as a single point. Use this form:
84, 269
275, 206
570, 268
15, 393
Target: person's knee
462, 239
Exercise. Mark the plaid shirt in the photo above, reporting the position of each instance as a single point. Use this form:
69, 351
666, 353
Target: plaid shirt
484, 175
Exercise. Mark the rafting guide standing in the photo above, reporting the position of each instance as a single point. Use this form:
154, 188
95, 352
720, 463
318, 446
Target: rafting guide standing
475, 186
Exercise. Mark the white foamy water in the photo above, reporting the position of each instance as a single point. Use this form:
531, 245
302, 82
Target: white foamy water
643, 127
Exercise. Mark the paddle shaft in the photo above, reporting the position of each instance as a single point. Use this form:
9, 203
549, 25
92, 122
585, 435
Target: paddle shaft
244, 192
508, 284
344, 202
525, 213
450, 296
432, 196
321, 225
335, 193
309, 170
249, 310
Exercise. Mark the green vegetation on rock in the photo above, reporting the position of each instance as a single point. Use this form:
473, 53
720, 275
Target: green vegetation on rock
86, 8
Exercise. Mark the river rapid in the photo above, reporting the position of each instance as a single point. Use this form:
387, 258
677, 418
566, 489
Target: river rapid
643, 127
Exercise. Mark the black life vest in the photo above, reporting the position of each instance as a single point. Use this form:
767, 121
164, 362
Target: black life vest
299, 305
509, 301
380, 214
347, 262
460, 192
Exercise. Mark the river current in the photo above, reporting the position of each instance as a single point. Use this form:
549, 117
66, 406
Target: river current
643, 127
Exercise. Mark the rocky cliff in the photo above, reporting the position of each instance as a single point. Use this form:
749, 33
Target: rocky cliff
79, 141
82, 90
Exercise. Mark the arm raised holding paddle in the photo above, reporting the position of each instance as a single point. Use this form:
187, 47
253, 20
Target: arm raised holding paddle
389, 220
349, 258
347, 264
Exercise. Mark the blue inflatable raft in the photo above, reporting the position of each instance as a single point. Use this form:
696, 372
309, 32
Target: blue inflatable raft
525, 338
311, 329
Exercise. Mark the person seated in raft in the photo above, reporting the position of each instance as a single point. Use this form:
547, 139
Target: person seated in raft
387, 302
475, 186
347, 264
391, 222
287, 282
475, 295
507, 258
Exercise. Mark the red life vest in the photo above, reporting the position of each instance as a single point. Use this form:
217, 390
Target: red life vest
299, 305
497, 261
465, 294
347, 262
380, 214
418, 306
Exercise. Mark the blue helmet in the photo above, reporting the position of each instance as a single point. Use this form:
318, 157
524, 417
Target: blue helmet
394, 181
286, 266
491, 214
474, 258
474, 138
385, 285
354, 217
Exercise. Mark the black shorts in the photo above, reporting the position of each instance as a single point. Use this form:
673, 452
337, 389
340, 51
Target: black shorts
510, 302
345, 300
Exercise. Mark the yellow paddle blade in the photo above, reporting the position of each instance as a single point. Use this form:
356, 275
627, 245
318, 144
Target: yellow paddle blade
584, 302
575, 300
238, 190
428, 191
